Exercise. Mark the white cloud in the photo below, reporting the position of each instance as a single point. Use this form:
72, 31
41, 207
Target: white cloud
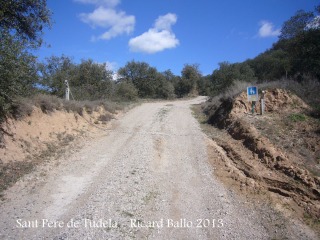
153, 41
165, 22
118, 23
113, 66
267, 30
108, 3
314, 24
158, 38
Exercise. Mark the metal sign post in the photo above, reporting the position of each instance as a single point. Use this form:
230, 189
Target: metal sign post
253, 106
262, 104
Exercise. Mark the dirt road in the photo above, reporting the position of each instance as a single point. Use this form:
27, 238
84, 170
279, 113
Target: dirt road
147, 177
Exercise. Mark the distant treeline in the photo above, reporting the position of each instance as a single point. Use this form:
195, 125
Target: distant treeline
90, 81
296, 55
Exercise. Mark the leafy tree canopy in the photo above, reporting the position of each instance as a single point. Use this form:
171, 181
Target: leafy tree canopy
88, 80
299, 23
25, 19
21, 24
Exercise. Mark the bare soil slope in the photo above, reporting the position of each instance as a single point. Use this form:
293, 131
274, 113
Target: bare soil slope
278, 152
40, 136
148, 177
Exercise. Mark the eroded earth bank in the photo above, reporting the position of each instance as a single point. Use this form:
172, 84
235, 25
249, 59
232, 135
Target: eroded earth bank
148, 176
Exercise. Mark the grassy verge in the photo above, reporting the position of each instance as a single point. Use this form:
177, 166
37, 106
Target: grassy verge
47, 103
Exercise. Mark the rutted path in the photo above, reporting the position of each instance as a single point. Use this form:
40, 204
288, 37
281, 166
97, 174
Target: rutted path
149, 177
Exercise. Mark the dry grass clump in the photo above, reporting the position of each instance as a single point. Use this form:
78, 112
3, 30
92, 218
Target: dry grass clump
47, 103
308, 91
11, 172
105, 117
111, 107
23, 107
73, 106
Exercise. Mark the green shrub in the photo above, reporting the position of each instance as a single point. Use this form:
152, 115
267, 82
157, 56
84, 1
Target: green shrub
316, 111
107, 105
297, 117
4, 106
126, 91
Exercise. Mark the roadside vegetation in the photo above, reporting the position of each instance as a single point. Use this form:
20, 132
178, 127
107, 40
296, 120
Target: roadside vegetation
292, 63
274, 156
23, 107
294, 56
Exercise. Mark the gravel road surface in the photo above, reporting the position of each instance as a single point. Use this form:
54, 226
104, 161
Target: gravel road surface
148, 177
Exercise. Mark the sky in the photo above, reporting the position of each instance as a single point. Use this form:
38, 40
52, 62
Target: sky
166, 34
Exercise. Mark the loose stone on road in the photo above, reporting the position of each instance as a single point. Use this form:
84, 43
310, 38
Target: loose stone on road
148, 177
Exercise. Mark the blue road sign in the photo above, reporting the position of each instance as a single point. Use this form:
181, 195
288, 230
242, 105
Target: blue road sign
252, 90
252, 93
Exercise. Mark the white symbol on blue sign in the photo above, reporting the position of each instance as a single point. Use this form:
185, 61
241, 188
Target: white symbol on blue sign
252, 93
252, 90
